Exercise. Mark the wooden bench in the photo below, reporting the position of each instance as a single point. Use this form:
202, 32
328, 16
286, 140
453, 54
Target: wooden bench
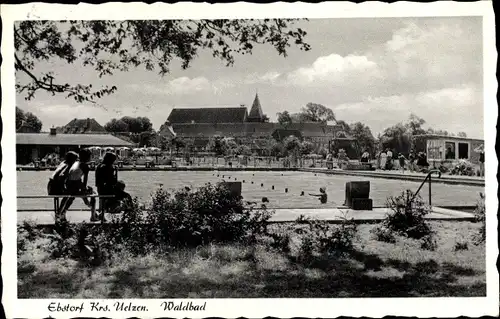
56, 201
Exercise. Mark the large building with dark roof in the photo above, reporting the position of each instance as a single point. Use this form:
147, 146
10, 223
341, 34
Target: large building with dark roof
200, 124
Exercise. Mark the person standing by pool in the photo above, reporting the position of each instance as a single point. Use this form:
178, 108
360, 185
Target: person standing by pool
480, 150
106, 177
76, 184
411, 161
389, 164
402, 161
365, 157
383, 160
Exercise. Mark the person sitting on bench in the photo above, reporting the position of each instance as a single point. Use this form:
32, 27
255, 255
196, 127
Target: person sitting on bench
106, 177
76, 184
57, 182
122, 200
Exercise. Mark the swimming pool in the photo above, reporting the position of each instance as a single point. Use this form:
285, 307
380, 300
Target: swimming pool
142, 184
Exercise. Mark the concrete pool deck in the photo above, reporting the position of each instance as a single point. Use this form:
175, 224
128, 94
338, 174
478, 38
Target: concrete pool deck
333, 215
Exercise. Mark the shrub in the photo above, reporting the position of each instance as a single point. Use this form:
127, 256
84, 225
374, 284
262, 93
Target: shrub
463, 167
208, 214
324, 238
384, 234
428, 242
480, 216
460, 246
407, 215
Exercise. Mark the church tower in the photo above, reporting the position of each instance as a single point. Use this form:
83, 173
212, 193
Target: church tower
256, 114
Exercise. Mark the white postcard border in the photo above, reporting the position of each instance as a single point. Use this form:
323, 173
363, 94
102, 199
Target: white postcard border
372, 307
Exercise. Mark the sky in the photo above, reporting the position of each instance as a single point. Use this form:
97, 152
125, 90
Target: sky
373, 70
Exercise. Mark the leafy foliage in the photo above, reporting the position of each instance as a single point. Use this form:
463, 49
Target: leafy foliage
129, 124
320, 237
108, 46
364, 136
27, 122
291, 145
284, 118
313, 112
408, 215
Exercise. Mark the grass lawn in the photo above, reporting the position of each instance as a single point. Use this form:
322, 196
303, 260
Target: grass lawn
375, 269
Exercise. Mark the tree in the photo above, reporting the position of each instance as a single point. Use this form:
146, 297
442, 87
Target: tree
346, 127
243, 150
108, 46
116, 126
306, 147
291, 145
129, 124
27, 122
414, 125
437, 132
364, 136
396, 138
178, 143
216, 144
284, 118
316, 113
265, 118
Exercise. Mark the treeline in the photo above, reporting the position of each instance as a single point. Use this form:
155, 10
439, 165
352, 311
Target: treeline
399, 138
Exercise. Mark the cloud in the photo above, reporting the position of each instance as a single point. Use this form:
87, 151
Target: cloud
183, 86
267, 78
452, 109
423, 55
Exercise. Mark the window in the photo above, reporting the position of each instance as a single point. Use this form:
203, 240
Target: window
449, 150
463, 150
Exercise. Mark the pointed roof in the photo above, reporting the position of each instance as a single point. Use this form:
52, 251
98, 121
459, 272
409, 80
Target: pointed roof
256, 110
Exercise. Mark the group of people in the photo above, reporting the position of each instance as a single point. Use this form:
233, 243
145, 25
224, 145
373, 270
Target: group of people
414, 161
71, 178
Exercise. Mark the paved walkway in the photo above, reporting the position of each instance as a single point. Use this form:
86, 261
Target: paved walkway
407, 175
281, 215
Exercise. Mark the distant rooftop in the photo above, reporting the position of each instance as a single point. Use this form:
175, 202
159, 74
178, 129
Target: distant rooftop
208, 115
449, 137
70, 139
80, 126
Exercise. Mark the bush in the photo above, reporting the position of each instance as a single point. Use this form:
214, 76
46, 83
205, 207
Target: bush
428, 242
463, 167
459, 245
407, 216
320, 237
480, 216
208, 214
384, 234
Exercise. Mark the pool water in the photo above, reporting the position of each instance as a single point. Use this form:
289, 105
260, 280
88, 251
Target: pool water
141, 184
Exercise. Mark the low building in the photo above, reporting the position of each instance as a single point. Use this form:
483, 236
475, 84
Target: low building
441, 148
35, 146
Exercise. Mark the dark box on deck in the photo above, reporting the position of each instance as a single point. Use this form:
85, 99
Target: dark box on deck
356, 190
362, 204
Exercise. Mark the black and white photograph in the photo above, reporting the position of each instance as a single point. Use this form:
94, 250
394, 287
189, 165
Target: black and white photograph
165, 163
